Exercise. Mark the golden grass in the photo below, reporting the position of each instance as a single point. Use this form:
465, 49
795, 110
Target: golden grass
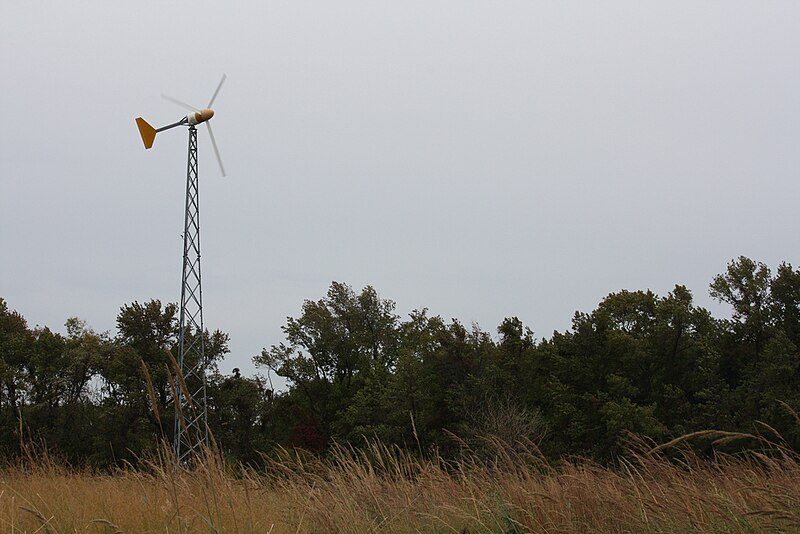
384, 489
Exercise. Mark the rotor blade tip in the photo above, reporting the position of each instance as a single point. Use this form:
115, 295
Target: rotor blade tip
219, 86
216, 150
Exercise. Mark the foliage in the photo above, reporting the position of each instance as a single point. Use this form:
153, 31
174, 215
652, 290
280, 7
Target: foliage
655, 366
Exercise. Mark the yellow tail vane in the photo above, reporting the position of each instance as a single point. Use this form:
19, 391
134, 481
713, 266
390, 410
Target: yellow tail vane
147, 131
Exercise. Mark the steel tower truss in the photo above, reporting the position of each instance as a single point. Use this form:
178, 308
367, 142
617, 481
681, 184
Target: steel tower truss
191, 414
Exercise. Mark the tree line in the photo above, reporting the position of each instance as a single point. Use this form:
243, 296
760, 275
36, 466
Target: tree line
654, 366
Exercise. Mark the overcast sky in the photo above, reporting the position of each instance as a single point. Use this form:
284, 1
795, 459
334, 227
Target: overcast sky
482, 159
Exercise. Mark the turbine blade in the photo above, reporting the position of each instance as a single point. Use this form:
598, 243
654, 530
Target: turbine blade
216, 150
181, 104
217, 91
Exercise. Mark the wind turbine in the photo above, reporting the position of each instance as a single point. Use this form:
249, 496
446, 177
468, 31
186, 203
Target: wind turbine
191, 413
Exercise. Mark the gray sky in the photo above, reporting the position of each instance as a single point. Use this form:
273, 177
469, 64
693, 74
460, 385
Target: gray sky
481, 159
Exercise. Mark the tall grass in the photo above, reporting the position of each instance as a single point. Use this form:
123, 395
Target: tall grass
378, 488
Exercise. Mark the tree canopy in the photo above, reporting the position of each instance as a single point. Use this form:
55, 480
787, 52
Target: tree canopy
655, 366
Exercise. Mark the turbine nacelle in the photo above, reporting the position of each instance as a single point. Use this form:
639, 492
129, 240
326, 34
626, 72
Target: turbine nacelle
199, 116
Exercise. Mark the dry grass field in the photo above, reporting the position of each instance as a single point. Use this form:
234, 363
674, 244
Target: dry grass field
383, 489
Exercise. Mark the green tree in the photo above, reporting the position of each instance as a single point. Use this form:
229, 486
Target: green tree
638, 363
745, 286
16, 344
130, 424
785, 301
239, 412
332, 350
149, 330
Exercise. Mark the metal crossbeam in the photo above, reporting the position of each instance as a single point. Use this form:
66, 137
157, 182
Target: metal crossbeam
191, 415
